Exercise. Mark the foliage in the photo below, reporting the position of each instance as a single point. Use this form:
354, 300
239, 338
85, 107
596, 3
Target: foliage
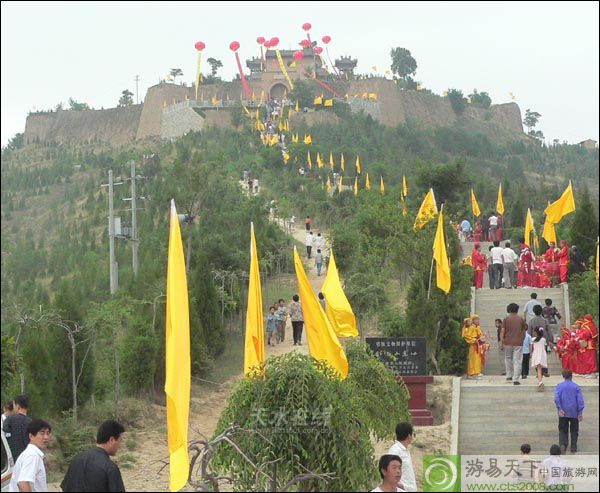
126, 98
457, 100
214, 65
75, 106
584, 225
304, 93
403, 63
584, 294
384, 401
291, 413
175, 72
531, 119
480, 99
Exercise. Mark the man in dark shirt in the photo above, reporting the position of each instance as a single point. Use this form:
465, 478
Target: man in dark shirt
577, 261
15, 426
93, 470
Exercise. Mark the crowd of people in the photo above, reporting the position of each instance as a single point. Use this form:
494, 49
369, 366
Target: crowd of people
508, 269
28, 440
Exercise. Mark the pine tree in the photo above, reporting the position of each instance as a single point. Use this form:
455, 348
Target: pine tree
584, 226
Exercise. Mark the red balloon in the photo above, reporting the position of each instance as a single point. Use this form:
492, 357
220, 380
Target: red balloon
298, 55
234, 46
200, 45
267, 43
326, 39
274, 41
260, 40
306, 26
305, 43
318, 50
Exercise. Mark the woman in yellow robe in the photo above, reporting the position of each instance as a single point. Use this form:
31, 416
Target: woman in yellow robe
473, 337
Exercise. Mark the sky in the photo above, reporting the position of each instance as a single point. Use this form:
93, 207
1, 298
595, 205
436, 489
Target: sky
545, 53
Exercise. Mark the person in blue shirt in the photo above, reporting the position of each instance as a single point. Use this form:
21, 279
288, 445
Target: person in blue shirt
569, 403
465, 229
526, 353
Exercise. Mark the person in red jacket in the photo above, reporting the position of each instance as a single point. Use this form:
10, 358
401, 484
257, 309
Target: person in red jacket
563, 261
479, 263
587, 338
526, 264
477, 232
499, 229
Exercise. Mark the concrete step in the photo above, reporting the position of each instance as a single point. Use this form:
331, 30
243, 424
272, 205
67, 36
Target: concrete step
497, 419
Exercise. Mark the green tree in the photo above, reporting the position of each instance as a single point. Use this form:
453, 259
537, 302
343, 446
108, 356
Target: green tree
403, 64
75, 106
584, 225
126, 98
304, 93
457, 100
175, 72
480, 99
530, 121
214, 65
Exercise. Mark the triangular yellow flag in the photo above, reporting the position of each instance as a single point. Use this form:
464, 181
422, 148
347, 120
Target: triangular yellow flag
340, 185
475, 205
563, 206
331, 163
308, 159
404, 209
246, 110
404, 186
338, 309
529, 227
328, 184
427, 211
442, 266
328, 102
254, 350
323, 344
358, 168
367, 182
381, 186
549, 233
297, 107
356, 185
307, 139
500, 202
177, 358
320, 162
318, 100
342, 163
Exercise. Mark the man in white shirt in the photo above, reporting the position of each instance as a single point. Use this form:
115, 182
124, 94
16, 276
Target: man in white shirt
404, 436
309, 243
528, 308
497, 265
509, 259
319, 242
29, 473
493, 221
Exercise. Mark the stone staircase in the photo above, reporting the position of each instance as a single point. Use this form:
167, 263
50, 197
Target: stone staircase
491, 304
496, 417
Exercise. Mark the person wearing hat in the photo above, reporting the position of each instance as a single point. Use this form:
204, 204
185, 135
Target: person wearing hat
479, 263
472, 335
587, 338
563, 261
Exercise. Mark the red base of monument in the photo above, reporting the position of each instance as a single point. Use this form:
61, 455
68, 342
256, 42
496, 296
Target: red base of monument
417, 404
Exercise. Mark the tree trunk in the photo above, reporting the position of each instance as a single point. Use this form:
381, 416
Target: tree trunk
73, 377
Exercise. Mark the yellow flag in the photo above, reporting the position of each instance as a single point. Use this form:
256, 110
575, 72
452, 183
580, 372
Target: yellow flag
294, 138
338, 309
320, 162
367, 183
328, 184
323, 344
549, 233
529, 227
404, 186
257, 115
381, 186
427, 211
297, 107
254, 351
318, 100
177, 358
563, 206
342, 162
286, 157
356, 185
328, 102
404, 209
246, 110
500, 202
307, 139
308, 159
340, 185
373, 96
253, 96
475, 205
358, 168
331, 163
442, 266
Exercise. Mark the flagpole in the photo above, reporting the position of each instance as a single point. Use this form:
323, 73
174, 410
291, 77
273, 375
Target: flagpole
430, 275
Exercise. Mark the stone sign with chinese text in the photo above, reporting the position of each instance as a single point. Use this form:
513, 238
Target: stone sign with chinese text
404, 356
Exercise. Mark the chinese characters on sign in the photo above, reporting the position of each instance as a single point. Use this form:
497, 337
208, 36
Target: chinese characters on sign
404, 356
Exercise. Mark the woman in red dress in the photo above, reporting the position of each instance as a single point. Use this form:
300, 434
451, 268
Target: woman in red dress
479, 263
499, 228
526, 262
477, 232
587, 337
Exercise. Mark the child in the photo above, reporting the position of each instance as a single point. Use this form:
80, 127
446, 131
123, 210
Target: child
539, 358
526, 354
271, 325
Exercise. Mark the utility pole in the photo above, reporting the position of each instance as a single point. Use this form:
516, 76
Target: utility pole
134, 238
114, 266
137, 79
